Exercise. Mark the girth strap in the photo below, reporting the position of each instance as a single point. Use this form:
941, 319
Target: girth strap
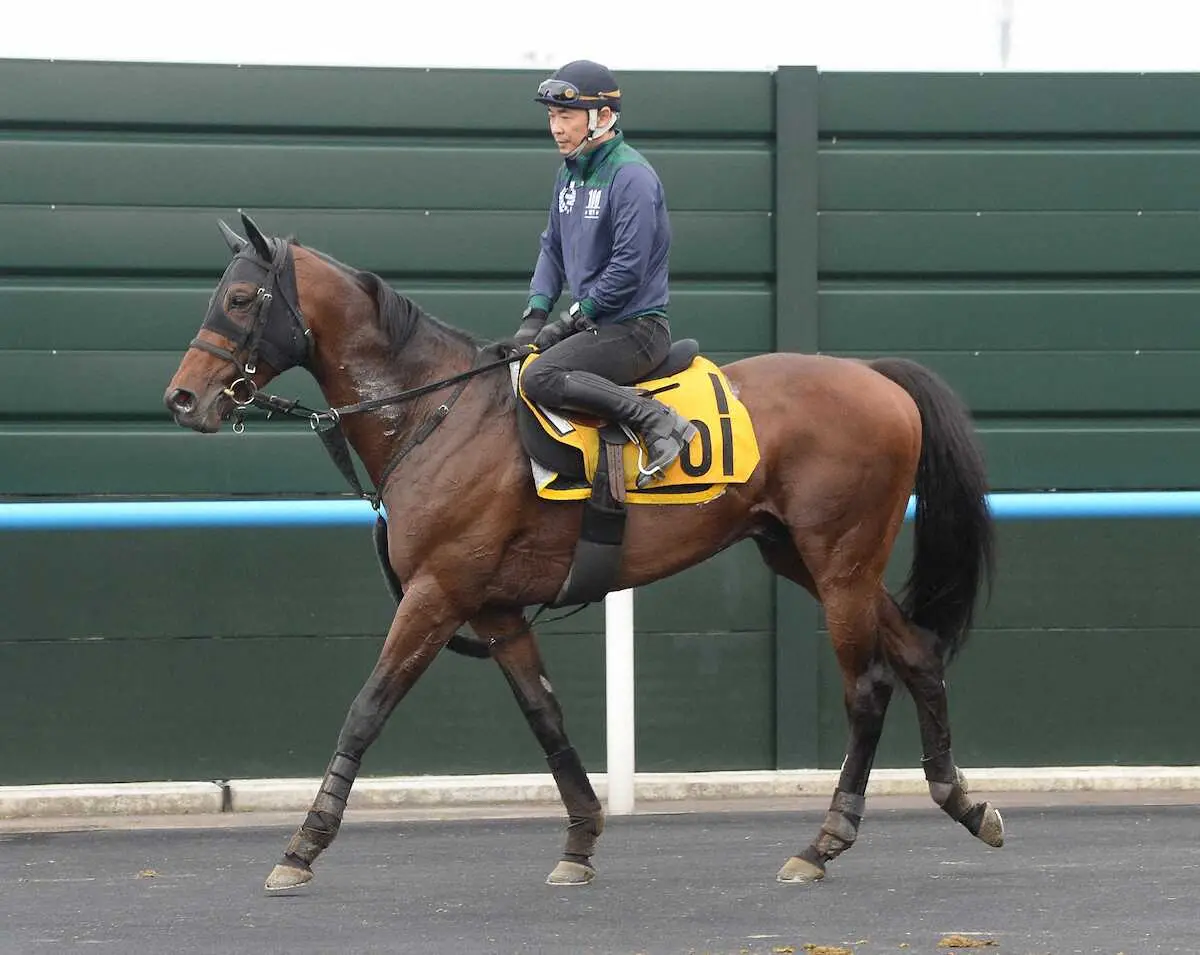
598, 550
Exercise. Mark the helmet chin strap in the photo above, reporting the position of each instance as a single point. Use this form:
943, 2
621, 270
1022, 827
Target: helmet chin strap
594, 132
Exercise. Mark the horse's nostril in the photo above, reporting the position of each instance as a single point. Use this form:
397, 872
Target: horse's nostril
181, 401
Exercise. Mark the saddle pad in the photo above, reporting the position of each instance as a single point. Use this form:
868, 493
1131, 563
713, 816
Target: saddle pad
724, 451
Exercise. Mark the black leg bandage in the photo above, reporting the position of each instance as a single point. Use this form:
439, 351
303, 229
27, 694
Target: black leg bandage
839, 830
584, 813
321, 825
946, 788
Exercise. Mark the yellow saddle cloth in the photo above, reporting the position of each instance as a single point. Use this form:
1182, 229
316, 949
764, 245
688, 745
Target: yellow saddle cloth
724, 451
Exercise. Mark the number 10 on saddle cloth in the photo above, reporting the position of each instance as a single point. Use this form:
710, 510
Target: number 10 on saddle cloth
724, 451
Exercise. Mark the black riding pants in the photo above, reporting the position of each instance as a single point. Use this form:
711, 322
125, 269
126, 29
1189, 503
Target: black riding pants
623, 352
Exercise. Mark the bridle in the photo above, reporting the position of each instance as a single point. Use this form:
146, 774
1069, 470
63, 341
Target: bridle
282, 345
286, 342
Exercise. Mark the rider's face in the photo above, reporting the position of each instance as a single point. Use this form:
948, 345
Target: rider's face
569, 127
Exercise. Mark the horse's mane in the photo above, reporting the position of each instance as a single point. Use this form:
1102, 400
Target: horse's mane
397, 315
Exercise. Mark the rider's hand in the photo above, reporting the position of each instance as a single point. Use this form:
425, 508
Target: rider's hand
555, 332
532, 323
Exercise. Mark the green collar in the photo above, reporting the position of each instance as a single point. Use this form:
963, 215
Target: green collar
589, 162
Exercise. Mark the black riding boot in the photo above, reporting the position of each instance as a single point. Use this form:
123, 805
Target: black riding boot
665, 432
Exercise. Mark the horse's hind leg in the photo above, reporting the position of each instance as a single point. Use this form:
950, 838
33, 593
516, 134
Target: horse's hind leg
867, 685
515, 649
919, 663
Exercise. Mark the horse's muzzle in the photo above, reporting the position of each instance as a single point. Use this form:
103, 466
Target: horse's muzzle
185, 408
180, 401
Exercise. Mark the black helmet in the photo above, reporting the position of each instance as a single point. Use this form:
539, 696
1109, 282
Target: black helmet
581, 84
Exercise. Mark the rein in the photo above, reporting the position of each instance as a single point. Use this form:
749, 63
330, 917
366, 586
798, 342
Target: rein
326, 424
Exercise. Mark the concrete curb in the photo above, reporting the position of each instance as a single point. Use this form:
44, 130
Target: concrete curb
412, 792
111, 799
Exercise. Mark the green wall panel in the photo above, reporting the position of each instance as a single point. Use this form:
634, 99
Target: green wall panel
1009, 243
145, 315
270, 458
168, 98
354, 175
191, 584
991, 177
1032, 698
279, 582
1067, 455
82, 239
216, 709
1084, 654
1024, 235
1085, 382
104, 384
1099, 316
1006, 104
237, 653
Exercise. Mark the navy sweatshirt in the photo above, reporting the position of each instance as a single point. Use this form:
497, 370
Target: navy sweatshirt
608, 238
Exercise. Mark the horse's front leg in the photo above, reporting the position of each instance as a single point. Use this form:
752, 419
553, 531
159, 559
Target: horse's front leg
423, 623
515, 649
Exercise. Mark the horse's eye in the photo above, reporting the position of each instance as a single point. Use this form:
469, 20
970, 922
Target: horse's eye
239, 300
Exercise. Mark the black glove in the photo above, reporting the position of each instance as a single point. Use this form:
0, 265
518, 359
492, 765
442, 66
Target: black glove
531, 324
555, 332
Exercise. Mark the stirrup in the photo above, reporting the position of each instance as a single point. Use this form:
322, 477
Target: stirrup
644, 473
648, 475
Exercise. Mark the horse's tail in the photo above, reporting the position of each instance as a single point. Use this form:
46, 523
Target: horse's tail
463, 643
953, 540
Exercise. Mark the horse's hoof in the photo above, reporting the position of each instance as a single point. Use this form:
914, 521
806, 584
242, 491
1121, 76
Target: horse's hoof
991, 829
571, 873
287, 877
799, 870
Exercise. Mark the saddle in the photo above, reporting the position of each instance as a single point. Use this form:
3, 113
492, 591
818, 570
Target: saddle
557, 443
574, 458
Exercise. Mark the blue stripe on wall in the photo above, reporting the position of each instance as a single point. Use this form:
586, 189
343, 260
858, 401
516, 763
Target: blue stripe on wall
143, 515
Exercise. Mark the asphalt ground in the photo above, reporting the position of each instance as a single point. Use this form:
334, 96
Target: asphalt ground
1107, 873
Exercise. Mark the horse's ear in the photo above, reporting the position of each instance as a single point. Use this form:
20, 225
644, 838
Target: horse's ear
235, 242
260, 242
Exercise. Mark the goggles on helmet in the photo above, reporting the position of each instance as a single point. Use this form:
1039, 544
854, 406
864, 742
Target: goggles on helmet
568, 94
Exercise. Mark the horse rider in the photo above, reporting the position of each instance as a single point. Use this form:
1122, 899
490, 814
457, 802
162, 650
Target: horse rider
608, 239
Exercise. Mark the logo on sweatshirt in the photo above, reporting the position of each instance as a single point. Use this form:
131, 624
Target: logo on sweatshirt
592, 209
566, 198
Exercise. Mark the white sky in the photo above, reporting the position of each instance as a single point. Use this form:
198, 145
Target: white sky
933, 35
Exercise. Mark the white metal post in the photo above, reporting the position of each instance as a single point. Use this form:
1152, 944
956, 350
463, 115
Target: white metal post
618, 669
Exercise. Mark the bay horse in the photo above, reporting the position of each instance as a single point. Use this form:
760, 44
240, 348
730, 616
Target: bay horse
843, 443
